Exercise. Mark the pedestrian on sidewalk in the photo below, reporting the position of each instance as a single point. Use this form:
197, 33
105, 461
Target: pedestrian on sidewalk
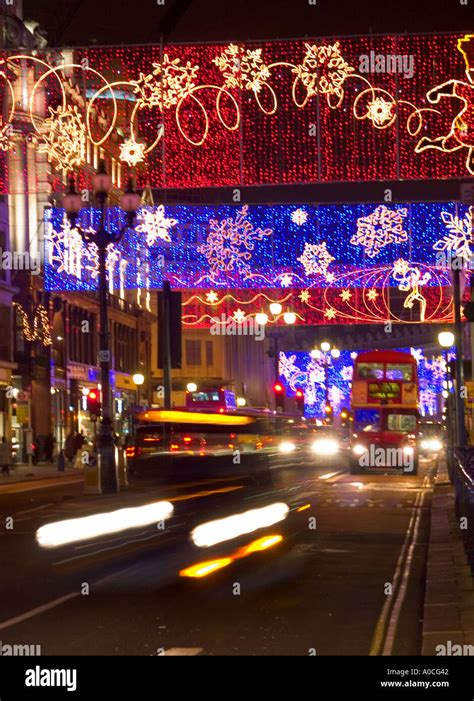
49, 442
70, 448
5, 456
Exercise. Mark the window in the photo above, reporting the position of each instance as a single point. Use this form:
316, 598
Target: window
367, 420
399, 371
209, 353
193, 352
370, 371
401, 423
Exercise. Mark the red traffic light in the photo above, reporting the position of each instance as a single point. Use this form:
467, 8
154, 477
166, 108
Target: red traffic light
278, 388
92, 395
299, 394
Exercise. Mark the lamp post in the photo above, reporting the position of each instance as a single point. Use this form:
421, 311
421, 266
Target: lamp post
138, 379
102, 237
289, 318
326, 352
446, 340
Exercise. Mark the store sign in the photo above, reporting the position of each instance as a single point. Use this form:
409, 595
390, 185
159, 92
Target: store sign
78, 372
384, 390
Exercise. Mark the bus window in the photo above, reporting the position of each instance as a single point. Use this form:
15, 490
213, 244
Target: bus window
367, 421
401, 423
399, 371
370, 371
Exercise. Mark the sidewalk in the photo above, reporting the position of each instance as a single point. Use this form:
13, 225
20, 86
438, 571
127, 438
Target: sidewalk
448, 618
23, 473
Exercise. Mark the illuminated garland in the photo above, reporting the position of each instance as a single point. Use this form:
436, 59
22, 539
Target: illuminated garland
318, 264
300, 370
185, 94
40, 330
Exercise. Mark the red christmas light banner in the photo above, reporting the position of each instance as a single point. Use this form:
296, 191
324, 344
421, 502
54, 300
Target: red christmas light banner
354, 109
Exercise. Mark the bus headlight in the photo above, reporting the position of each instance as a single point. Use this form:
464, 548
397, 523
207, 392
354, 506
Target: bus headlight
426, 445
359, 449
325, 446
287, 447
436, 444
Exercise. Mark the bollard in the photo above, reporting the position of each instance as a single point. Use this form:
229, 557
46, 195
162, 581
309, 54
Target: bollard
61, 461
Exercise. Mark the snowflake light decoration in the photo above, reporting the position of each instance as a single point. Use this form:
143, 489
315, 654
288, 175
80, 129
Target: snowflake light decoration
155, 225
212, 297
230, 242
242, 68
324, 71
379, 229
380, 112
66, 249
299, 216
285, 280
347, 372
64, 135
316, 258
166, 85
132, 152
458, 240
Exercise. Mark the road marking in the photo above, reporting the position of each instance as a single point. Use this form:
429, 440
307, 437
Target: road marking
40, 609
329, 475
380, 627
36, 508
93, 553
182, 651
394, 618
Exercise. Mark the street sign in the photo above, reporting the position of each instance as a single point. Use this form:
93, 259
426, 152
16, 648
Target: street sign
104, 356
22, 396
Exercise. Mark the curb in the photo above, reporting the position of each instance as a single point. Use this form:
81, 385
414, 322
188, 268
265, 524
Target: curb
34, 483
449, 593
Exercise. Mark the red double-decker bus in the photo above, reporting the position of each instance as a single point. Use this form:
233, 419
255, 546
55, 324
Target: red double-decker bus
385, 410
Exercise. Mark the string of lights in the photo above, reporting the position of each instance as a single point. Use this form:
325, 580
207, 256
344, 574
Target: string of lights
254, 113
300, 370
331, 263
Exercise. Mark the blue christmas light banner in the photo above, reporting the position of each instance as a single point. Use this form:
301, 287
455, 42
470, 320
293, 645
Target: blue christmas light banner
300, 370
332, 248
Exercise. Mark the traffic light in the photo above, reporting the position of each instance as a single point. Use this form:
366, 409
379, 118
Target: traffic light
328, 413
279, 392
299, 395
93, 402
344, 417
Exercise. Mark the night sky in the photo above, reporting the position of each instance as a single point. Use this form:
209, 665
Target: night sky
85, 22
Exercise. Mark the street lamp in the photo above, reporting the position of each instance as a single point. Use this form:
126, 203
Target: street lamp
275, 308
326, 352
103, 237
289, 318
191, 387
138, 380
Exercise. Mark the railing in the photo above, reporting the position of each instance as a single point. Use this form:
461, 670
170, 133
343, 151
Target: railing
463, 481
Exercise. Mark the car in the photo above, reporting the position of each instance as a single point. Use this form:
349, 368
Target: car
431, 438
326, 445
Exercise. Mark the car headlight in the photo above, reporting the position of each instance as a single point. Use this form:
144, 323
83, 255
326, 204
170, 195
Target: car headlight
426, 445
359, 449
436, 444
287, 447
325, 446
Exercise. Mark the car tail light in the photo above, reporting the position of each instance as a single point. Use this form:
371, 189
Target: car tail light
187, 439
174, 446
130, 452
